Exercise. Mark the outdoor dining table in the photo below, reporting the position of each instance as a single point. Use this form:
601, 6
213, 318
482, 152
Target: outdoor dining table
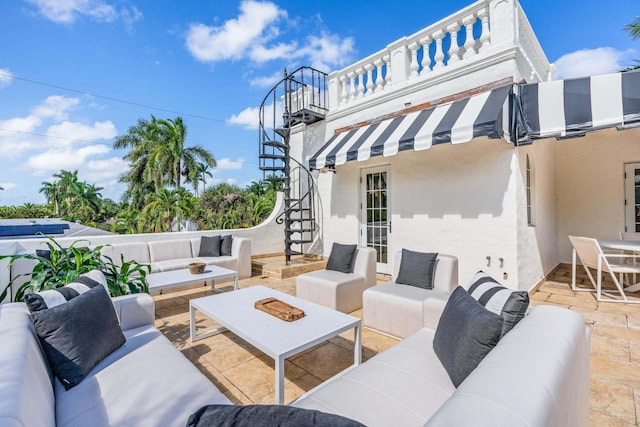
624, 245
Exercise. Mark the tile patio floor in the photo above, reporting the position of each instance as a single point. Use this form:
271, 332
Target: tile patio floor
245, 375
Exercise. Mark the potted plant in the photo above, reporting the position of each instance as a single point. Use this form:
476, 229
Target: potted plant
59, 266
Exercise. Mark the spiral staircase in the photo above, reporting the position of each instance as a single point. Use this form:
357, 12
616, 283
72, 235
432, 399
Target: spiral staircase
299, 98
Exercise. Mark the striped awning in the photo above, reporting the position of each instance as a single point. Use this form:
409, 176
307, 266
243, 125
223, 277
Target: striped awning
483, 114
570, 108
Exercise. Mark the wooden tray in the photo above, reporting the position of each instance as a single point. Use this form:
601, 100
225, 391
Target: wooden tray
279, 309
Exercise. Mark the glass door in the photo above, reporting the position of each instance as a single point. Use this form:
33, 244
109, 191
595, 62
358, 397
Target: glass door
632, 197
375, 216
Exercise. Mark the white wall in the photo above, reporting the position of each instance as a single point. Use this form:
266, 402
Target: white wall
459, 200
590, 184
537, 245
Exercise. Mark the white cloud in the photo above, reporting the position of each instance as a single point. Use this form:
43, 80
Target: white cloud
589, 62
230, 181
104, 173
228, 164
250, 116
8, 185
252, 35
55, 107
82, 132
6, 77
232, 39
68, 11
267, 81
69, 158
328, 51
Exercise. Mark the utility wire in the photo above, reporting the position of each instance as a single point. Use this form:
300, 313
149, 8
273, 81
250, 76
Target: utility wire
136, 104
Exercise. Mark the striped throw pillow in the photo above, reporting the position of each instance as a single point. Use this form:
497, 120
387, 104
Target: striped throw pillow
511, 305
46, 299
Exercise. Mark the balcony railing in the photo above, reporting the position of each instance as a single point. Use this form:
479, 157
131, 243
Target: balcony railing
473, 33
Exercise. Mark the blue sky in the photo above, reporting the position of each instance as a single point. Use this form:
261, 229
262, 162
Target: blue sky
216, 60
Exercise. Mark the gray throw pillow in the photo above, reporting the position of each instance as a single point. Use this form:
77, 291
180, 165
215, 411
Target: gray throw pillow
466, 333
265, 416
510, 304
210, 246
78, 334
417, 269
342, 258
225, 246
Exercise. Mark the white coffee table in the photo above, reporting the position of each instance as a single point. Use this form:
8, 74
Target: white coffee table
170, 279
275, 337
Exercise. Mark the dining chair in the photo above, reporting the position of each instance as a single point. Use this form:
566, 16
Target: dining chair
592, 256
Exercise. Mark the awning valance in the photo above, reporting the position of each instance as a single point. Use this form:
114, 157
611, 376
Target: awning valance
569, 108
483, 114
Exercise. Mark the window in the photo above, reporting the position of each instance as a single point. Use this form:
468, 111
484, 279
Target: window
530, 190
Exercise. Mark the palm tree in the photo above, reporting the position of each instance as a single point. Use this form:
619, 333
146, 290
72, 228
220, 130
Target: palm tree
52, 193
158, 157
633, 28
202, 171
128, 222
173, 157
168, 205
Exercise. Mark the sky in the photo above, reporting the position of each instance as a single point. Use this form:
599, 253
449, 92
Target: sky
76, 74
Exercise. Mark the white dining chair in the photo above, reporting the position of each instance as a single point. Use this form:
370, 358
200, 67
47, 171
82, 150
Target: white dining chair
591, 256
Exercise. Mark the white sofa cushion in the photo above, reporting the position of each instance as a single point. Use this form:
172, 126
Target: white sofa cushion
169, 250
403, 386
144, 382
26, 392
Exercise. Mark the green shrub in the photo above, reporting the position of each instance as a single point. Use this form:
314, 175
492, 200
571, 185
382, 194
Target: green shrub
64, 265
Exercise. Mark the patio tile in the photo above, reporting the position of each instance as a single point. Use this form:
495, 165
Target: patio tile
325, 361
617, 350
572, 301
614, 400
624, 374
599, 419
245, 375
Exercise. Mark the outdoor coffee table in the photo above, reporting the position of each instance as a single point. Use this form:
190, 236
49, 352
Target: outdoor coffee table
276, 338
170, 279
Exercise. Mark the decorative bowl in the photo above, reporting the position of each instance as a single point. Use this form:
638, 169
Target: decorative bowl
197, 267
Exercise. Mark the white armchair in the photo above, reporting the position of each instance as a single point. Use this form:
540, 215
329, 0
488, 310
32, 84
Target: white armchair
337, 290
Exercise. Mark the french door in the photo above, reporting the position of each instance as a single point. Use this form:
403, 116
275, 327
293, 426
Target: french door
632, 197
375, 230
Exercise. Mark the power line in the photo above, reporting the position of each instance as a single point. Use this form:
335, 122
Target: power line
136, 104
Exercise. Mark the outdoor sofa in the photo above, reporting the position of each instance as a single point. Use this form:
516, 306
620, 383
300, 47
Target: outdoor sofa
145, 382
537, 375
340, 290
399, 310
162, 255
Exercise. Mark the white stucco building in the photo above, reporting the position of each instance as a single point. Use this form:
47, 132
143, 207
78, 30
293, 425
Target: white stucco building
400, 164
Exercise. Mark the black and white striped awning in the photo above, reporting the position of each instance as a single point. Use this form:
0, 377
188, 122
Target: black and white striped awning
569, 108
483, 114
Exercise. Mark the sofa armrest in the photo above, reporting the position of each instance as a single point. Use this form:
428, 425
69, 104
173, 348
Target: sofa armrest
134, 310
365, 265
241, 250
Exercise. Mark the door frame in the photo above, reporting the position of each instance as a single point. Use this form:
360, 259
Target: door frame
385, 268
629, 196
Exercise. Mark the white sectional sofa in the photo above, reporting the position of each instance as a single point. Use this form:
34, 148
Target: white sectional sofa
537, 376
162, 255
400, 310
146, 382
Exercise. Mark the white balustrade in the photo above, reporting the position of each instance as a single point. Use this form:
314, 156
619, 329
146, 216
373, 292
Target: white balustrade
360, 74
412, 59
414, 67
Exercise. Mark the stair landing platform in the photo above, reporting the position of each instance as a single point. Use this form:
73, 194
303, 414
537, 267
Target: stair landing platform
274, 265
